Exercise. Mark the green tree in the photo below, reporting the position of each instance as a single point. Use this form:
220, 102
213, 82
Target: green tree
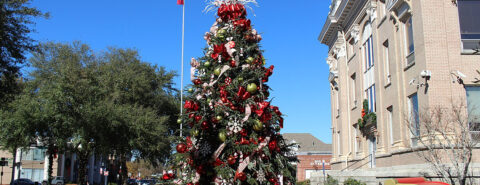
15, 18
148, 90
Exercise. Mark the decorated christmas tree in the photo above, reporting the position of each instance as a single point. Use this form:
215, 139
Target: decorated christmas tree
233, 131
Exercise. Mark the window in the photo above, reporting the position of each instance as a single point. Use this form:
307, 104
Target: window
368, 54
353, 89
473, 104
469, 26
414, 119
386, 63
371, 97
409, 43
33, 154
390, 123
36, 175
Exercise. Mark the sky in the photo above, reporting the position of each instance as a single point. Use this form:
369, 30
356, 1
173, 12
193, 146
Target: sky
289, 29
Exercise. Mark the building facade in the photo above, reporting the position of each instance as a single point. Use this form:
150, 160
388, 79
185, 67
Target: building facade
396, 58
32, 164
313, 155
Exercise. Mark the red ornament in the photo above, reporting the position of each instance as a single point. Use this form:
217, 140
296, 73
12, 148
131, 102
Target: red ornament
242, 176
228, 81
272, 180
363, 113
197, 82
261, 139
204, 125
191, 116
244, 141
198, 118
189, 183
244, 132
165, 177
233, 63
272, 145
181, 148
231, 160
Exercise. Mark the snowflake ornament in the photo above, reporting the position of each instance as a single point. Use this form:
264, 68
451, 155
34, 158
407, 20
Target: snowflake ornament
205, 149
261, 176
234, 125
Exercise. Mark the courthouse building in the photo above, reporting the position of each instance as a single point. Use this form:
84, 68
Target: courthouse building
397, 57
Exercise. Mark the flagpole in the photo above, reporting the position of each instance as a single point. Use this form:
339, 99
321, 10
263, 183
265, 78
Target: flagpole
181, 83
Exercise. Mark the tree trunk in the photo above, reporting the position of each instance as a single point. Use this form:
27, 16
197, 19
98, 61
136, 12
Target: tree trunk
14, 152
124, 173
51, 153
82, 167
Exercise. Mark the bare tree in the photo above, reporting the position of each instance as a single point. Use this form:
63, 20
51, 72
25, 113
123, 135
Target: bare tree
445, 140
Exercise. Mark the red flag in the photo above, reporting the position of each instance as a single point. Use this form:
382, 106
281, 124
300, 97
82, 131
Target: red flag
180, 2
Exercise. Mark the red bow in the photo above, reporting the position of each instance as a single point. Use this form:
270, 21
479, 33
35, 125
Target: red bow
242, 93
190, 105
233, 11
243, 23
262, 107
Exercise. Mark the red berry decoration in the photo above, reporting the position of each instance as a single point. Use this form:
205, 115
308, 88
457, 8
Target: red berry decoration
242, 176
231, 160
198, 118
233, 63
197, 82
272, 145
181, 148
165, 177
204, 125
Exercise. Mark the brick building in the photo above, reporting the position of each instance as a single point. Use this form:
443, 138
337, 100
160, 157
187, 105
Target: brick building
400, 57
312, 153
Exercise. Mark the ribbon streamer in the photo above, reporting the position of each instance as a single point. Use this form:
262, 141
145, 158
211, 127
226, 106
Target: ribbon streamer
218, 151
245, 162
223, 70
248, 112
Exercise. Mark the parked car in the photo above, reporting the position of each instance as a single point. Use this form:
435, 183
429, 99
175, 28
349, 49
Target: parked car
132, 182
22, 182
58, 181
146, 182
55, 181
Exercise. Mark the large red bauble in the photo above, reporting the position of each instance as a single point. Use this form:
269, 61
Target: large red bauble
231, 160
181, 148
204, 125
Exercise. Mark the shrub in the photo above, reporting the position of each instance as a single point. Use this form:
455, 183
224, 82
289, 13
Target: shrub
307, 182
351, 181
331, 181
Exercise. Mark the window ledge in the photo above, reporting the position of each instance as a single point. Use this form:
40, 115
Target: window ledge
351, 57
354, 107
388, 84
470, 52
382, 21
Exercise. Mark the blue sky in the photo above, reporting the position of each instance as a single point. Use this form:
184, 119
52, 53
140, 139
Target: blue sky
153, 27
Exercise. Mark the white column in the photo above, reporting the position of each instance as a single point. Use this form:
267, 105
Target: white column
45, 167
18, 160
